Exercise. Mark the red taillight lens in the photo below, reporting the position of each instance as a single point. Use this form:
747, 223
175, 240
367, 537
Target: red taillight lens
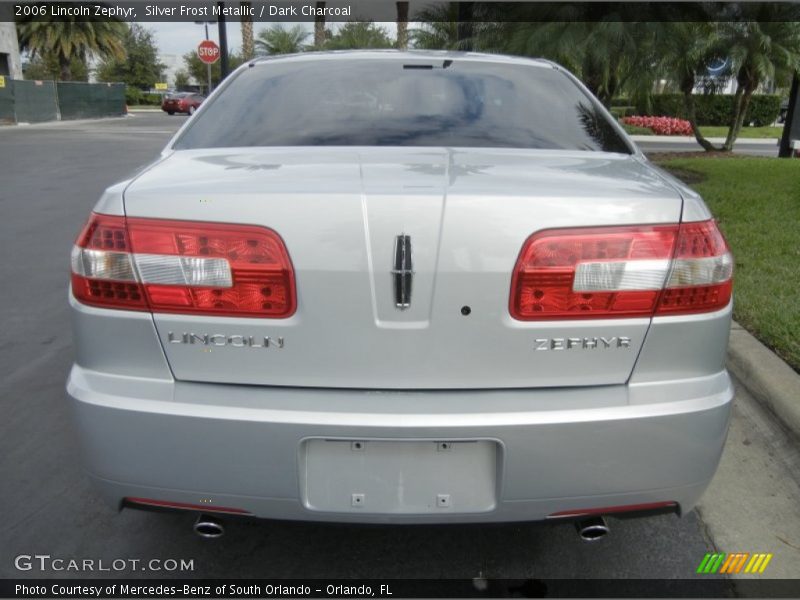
102, 269
613, 272
701, 279
183, 267
592, 272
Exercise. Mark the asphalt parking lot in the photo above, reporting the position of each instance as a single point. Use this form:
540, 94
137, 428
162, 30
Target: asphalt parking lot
52, 176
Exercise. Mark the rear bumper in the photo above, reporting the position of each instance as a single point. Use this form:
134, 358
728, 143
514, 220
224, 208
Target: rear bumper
558, 450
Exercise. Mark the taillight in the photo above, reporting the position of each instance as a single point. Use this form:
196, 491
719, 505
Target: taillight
613, 272
701, 278
183, 267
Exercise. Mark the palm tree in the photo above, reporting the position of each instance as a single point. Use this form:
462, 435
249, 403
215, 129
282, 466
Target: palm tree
68, 39
320, 35
686, 52
608, 56
402, 25
277, 40
759, 50
248, 47
439, 28
359, 34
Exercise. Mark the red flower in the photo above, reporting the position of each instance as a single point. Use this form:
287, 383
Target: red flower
661, 125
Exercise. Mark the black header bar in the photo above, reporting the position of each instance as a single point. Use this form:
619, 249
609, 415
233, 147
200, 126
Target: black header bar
702, 587
386, 11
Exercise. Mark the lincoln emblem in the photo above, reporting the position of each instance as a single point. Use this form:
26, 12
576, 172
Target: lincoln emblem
403, 271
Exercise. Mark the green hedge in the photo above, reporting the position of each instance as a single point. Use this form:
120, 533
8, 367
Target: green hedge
715, 109
136, 97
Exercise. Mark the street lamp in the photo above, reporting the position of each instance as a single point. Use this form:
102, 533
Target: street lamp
223, 42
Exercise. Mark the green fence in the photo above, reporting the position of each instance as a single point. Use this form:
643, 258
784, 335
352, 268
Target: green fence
90, 100
37, 101
7, 103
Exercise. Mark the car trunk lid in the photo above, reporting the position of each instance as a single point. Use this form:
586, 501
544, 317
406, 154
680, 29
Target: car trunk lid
346, 215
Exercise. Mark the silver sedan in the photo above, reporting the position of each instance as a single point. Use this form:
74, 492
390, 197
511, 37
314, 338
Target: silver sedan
405, 287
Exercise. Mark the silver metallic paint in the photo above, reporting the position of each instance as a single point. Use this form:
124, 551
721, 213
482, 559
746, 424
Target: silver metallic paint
581, 429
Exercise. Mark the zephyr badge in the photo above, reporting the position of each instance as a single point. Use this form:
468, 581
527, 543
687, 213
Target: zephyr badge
403, 271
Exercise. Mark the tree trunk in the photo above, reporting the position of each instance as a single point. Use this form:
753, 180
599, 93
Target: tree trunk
248, 44
687, 87
691, 116
402, 25
65, 72
610, 89
593, 81
465, 27
736, 118
319, 28
743, 95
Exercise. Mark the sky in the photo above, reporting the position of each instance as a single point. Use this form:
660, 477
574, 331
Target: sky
180, 38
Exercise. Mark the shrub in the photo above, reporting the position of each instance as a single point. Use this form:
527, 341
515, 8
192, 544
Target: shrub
715, 109
661, 125
622, 110
133, 96
136, 97
151, 99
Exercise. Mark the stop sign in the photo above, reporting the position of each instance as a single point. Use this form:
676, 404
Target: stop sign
208, 51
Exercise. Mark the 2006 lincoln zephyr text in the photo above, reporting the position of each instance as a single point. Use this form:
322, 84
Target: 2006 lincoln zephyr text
402, 287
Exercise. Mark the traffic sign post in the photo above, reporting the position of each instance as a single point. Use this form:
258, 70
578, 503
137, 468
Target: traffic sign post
208, 52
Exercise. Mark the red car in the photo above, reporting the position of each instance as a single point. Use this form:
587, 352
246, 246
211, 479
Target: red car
184, 102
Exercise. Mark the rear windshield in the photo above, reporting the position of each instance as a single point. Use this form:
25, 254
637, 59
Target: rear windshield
380, 102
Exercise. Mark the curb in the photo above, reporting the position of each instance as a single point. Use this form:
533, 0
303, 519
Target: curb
768, 378
62, 123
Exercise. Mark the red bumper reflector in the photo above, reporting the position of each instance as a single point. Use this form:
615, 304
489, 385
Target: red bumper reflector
185, 506
626, 508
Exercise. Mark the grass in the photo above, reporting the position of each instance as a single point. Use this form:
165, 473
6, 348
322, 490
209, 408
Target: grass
746, 132
757, 204
634, 130
719, 132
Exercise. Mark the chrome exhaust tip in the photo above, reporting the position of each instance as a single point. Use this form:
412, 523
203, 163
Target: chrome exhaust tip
208, 527
592, 529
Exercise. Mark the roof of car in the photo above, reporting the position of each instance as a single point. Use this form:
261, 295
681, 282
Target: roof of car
411, 55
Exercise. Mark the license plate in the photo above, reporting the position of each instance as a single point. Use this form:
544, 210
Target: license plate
399, 477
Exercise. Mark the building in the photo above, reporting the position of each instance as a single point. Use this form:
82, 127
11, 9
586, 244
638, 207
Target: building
10, 63
172, 64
